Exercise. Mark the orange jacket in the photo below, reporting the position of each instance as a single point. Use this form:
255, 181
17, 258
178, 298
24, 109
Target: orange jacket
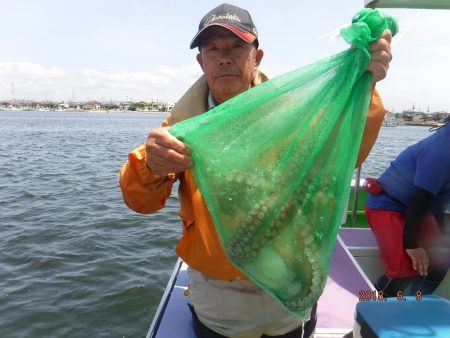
200, 245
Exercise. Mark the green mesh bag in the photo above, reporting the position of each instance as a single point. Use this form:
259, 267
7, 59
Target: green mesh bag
274, 166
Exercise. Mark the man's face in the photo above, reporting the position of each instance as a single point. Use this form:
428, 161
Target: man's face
228, 62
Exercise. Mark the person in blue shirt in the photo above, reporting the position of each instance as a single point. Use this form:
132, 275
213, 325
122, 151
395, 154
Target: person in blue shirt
402, 207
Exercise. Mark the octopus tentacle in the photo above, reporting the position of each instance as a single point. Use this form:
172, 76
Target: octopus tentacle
257, 230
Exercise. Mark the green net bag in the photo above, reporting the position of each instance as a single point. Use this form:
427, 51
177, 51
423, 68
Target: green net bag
274, 166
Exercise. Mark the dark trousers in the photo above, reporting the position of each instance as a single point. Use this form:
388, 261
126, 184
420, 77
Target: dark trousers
410, 286
202, 331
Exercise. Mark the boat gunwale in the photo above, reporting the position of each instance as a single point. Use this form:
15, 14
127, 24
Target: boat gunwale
153, 330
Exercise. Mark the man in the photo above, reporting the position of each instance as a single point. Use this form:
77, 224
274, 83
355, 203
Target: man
224, 303
402, 207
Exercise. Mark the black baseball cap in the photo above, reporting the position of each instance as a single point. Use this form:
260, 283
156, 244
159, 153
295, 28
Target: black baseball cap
233, 18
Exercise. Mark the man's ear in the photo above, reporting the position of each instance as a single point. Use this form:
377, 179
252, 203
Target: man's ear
259, 56
200, 60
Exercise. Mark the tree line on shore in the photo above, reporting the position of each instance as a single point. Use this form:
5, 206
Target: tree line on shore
419, 117
406, 116
89, 105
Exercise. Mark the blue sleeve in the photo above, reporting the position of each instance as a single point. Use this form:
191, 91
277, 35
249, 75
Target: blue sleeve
433, 164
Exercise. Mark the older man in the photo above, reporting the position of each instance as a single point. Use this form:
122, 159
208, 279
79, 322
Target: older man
224, 303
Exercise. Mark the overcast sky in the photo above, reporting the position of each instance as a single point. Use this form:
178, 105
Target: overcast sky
139, 49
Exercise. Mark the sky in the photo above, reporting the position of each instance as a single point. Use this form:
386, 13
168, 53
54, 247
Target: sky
115, 50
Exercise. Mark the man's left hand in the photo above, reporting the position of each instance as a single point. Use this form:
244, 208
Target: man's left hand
381, 55
419, 260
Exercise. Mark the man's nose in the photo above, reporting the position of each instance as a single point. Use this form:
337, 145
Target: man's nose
225, 56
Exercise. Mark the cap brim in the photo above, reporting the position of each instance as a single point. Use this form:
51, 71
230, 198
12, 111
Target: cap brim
246, 36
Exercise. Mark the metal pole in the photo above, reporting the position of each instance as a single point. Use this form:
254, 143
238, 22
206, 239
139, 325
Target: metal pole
355, 196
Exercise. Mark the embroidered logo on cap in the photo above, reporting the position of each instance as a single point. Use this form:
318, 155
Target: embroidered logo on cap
213, 18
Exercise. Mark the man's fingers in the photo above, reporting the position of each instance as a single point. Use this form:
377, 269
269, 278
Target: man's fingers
165, 153
419, 259
378, 69
168, 161
420, 267
414, 262
178, 159
381, 55
387, 35
383, 42
161, 154
425, 264
164, 138
175, 144
380, 58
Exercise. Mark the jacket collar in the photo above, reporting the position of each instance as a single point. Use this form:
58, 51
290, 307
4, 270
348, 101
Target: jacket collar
194, 101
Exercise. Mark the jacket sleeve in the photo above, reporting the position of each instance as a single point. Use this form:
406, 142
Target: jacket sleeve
374, 120
416, 211
141, 190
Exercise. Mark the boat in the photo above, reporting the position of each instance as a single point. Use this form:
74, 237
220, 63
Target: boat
390, 121
355, 266
347, 284
350, 305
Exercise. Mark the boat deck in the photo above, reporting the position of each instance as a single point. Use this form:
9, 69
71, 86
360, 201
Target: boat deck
336, 307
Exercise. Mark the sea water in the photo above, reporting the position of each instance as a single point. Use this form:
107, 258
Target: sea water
74, 260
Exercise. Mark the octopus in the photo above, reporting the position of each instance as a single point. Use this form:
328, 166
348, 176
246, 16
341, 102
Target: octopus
280, 245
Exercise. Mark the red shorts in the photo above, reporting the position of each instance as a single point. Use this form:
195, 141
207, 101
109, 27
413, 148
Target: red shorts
388, 229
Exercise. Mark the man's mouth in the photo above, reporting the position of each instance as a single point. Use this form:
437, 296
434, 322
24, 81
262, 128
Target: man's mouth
227, 75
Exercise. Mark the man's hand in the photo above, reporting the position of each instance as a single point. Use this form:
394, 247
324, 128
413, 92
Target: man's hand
165, 153
381, 55
419, 259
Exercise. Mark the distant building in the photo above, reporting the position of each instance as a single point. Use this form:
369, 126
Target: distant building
92, 105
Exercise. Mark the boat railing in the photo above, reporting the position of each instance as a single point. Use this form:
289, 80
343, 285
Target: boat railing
164, 301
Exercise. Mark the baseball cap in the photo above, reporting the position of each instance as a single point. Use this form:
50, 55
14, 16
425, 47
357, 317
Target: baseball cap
233, 18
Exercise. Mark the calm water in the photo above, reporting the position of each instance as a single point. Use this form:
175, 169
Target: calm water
74, 260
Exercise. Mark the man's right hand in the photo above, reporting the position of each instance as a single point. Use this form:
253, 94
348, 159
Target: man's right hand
165, 153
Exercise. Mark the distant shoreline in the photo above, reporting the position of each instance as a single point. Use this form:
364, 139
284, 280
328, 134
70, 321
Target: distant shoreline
84, 111
386, 123
424, 124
